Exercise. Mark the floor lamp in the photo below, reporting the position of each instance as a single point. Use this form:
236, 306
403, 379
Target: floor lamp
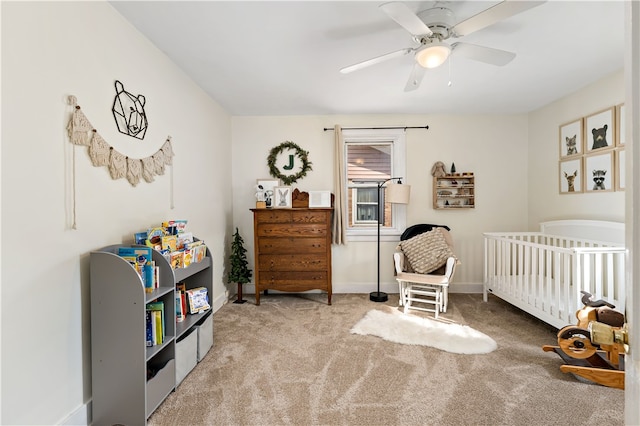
397, 193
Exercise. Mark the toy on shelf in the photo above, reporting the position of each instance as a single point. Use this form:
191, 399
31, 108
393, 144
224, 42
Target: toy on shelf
594, 349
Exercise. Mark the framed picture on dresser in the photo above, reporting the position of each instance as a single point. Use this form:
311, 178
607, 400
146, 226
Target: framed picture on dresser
282, 197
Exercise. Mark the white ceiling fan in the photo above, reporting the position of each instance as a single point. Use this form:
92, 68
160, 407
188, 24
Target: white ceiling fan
430, 29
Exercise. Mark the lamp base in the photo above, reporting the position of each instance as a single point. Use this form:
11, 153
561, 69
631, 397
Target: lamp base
378, 296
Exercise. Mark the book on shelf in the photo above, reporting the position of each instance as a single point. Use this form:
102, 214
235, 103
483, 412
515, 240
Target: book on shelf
180, 314
199, 252
149, 329
140, 238
197, 300
181, 300
141, 258
170, 242
158, 326
159, 330
149, 276
184, 239
187, 257
177, 259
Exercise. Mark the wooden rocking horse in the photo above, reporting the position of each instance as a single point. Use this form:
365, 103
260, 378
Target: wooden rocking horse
594, 349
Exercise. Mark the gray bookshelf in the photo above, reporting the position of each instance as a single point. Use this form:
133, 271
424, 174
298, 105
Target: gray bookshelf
121, 393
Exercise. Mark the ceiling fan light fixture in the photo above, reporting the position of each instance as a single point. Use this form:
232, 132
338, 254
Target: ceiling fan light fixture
433, 55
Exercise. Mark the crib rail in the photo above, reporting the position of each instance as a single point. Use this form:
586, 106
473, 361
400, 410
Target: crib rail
544, 274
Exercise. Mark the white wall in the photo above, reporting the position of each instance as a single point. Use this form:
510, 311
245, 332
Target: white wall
545, 203
493, 147
51, 50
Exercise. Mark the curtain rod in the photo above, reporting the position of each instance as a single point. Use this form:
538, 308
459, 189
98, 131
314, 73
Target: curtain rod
379, 128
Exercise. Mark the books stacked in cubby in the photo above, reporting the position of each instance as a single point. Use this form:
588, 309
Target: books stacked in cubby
175, 243
191, 301
155, 323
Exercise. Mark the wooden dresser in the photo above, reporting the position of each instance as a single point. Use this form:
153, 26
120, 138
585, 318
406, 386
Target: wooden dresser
292, 250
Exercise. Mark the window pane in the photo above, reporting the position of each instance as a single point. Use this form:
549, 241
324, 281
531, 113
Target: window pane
368, 162
368, 195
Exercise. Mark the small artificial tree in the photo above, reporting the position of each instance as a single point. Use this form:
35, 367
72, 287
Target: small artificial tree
240, 272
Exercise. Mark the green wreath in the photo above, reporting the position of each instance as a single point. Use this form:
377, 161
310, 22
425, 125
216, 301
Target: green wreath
300, 153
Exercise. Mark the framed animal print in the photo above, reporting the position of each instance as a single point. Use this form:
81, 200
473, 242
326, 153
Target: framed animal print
599, 172
570, 176
620, 169
600, 130
620, 127
282, 197
571, 139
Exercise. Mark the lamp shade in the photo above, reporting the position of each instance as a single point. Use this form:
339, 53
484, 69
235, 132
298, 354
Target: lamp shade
433, 55
398, 193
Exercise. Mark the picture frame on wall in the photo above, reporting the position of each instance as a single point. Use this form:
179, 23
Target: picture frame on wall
600, 130
570, 176
282, 197
599, 172
571, 139
620, 125
620, 169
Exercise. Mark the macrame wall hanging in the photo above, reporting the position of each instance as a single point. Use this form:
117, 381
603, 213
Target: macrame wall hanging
81, 132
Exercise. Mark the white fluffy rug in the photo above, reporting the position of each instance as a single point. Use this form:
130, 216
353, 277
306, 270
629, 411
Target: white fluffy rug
412, 330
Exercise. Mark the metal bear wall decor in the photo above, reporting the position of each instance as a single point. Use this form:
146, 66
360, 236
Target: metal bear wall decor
128, 111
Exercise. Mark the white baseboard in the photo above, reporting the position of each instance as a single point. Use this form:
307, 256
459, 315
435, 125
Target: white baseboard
391, 288
80, 417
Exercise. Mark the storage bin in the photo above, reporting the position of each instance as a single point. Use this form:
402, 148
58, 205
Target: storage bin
186, 355
160, 386
205, 337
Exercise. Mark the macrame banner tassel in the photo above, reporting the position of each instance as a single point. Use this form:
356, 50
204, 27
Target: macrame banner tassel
80, 130
117, 165
148, 169
99, 150
167, 150
158, 159
134, 170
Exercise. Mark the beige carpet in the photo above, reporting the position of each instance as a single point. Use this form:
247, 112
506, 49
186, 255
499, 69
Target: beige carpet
293, 361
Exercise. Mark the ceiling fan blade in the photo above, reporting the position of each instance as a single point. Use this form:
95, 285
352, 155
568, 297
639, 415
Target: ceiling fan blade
415, 78
484, 54
500, 11
400, 13
376, 60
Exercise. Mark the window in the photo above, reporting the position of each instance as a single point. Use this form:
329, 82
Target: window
373, 156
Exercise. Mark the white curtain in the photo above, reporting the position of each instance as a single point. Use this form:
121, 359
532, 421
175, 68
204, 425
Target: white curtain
339, 212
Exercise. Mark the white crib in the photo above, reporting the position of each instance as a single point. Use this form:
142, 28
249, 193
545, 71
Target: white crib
544, 272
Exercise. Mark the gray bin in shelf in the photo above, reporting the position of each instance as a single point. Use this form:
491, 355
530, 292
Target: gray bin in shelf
186, 355
205, 337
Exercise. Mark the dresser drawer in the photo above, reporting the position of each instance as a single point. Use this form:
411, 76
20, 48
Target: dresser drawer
294, 281
291, 262
290, 245
292, 230
273, 215
310, 216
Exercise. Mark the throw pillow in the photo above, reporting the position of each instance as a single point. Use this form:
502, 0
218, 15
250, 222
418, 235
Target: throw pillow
427, 252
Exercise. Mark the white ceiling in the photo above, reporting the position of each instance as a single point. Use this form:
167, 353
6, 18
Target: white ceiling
283, 58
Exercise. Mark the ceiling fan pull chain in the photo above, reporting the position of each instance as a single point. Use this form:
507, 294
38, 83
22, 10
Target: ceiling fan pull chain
450, 61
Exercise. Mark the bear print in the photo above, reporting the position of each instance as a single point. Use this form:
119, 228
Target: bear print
600, 137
